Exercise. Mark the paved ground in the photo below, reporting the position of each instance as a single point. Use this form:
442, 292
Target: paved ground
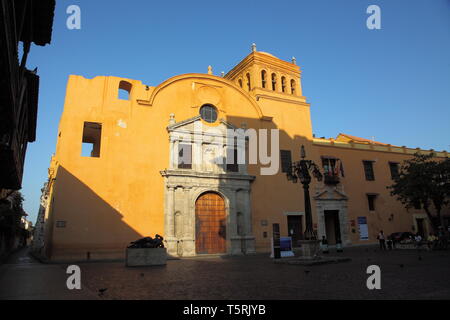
257, 277
24, 278
405, 274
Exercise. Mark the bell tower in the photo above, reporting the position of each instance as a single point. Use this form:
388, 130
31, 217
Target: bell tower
261, 73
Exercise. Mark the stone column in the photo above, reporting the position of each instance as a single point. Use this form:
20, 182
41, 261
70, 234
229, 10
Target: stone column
189, 225
197, 155
171, 211
171, 153
249, 238
321, 229
224, 156
343, 217
175, 151
169, 222
233, 209
235, 240
248, 213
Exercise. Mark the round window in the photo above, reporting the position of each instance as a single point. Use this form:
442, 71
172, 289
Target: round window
208, 113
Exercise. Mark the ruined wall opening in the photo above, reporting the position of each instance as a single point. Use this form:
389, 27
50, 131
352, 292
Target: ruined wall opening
91, 142
124, 90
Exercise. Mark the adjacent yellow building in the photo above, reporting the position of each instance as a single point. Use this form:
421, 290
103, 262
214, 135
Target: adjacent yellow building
134, 160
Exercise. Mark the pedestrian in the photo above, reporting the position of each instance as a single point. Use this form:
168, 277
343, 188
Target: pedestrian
389, 242
382, 240
432, 241
324, 245
339, 245
418, 240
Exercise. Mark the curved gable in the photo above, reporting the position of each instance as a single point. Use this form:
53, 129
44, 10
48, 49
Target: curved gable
197, 78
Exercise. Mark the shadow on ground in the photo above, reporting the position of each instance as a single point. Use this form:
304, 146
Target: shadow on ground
405, 274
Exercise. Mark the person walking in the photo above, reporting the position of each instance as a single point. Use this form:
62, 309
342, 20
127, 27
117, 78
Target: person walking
324, 245
381, 238
418, 240
432, 241
390, 243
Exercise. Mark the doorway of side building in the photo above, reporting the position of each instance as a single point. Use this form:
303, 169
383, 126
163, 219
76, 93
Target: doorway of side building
332, 226
295, 229
420, 227
210, 224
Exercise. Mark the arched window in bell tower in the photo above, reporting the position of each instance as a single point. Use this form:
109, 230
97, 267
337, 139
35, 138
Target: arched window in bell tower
283, 84
263, 78
240, 82
274, 81
249, 85
292, 86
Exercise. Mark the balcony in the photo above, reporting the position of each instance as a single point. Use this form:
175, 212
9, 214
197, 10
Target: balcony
331, 179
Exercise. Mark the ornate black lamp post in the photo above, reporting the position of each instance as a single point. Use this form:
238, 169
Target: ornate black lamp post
300, 171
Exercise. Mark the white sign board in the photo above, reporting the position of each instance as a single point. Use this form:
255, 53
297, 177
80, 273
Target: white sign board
363, 228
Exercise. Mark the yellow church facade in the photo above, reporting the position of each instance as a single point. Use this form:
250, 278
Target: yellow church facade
134, 160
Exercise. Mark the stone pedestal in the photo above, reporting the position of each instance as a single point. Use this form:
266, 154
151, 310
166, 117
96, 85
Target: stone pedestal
171, 244
242, 245
140, 257
309, 249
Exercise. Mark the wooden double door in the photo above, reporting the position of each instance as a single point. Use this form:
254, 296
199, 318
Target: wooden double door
210, 224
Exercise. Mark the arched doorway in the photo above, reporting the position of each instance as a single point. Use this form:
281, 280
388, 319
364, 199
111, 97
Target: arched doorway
210, 224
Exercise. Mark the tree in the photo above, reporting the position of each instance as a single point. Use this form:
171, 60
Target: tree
424, 181
11, 212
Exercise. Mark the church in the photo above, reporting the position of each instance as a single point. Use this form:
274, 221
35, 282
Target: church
134, 160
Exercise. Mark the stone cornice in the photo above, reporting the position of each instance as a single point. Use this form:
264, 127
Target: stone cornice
292, 99
205, 175
183, 123
376, 148
263, 58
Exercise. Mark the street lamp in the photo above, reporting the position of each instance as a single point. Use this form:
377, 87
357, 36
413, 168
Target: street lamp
300, 171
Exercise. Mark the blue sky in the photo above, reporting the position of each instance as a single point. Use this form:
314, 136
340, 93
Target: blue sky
392, 84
